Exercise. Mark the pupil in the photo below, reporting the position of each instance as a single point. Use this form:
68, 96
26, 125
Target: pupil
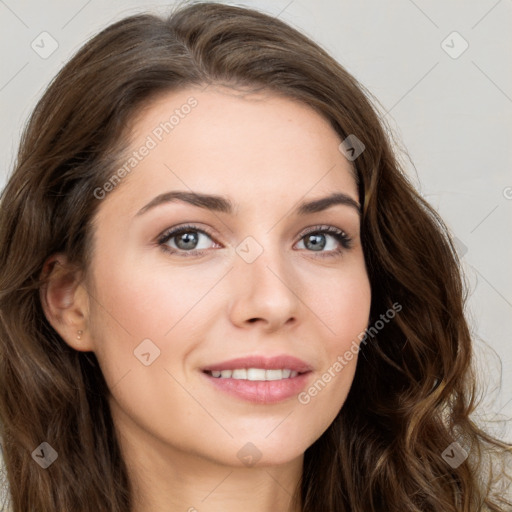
189, 239
318, 241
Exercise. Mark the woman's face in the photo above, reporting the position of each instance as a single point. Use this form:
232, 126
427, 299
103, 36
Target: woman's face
244, 283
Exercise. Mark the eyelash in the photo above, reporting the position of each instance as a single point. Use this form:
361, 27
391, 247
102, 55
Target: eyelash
344, 240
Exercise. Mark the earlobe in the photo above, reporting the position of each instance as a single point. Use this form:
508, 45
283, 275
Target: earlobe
65, 302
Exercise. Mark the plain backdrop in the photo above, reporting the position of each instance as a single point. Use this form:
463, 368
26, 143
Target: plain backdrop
441, 72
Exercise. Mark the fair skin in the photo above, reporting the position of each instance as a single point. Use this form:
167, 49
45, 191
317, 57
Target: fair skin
179, 433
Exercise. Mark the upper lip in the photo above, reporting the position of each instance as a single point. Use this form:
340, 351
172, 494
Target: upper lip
259, 361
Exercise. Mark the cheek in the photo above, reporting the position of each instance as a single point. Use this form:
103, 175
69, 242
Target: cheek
137, 301
341, 303
343, 308
149, 300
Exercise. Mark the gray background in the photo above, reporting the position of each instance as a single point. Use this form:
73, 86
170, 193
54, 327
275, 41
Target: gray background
449, 106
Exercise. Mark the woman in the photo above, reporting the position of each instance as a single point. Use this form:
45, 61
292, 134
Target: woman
217, 284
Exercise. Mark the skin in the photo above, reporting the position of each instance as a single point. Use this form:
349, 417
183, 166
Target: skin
179, 434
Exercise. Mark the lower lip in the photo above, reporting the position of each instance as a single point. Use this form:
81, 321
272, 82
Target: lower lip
261, 391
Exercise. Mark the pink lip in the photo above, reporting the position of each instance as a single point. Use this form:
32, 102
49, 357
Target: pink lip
267, 363
261, 392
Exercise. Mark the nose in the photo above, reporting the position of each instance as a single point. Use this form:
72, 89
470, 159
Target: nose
262, 292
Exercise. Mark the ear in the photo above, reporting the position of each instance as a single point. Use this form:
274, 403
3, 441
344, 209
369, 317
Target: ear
65, 302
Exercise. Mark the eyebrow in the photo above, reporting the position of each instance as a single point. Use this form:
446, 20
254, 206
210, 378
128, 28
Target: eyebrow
224, 205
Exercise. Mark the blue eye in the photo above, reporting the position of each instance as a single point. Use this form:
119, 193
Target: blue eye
317, 239
187, 241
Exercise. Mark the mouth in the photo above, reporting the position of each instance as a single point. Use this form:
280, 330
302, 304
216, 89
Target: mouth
258, 379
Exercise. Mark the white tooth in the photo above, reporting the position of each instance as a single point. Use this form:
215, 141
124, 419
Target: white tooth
255, 374
239, 374
274, 374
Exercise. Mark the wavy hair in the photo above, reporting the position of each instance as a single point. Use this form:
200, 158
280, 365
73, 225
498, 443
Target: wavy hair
414, 390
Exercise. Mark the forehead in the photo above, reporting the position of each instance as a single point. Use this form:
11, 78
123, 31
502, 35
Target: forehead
250, 147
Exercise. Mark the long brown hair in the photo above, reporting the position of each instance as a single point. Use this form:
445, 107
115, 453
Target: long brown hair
414, 388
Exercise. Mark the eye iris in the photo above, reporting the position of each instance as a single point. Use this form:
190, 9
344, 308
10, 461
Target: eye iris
189, 238
317, 240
